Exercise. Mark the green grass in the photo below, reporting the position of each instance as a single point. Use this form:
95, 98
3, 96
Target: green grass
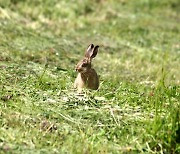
137, 107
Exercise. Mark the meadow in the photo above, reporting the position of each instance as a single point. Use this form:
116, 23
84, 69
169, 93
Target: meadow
137, 107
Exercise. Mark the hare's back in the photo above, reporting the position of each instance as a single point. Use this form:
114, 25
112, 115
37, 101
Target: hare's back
93, 80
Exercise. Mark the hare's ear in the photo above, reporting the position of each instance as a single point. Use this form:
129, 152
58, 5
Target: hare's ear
89, 50
94, 52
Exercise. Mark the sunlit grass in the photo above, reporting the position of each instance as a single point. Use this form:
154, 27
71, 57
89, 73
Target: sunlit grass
136, 108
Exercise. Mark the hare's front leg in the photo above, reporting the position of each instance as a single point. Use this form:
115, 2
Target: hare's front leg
75, 84
79, 83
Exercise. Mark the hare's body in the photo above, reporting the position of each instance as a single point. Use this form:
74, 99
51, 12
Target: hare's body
87, 76
88, 80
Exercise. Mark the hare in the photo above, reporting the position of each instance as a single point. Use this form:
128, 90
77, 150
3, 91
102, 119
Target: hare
87, 76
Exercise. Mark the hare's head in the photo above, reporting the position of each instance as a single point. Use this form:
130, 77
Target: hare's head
85, 64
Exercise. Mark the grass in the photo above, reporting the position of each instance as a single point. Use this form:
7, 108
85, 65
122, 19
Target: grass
135, 110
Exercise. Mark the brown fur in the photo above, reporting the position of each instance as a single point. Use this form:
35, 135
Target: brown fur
87, 76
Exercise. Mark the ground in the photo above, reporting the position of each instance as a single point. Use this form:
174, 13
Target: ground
137, 107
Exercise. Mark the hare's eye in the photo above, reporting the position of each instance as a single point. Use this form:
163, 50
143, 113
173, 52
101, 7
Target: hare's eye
84, 64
